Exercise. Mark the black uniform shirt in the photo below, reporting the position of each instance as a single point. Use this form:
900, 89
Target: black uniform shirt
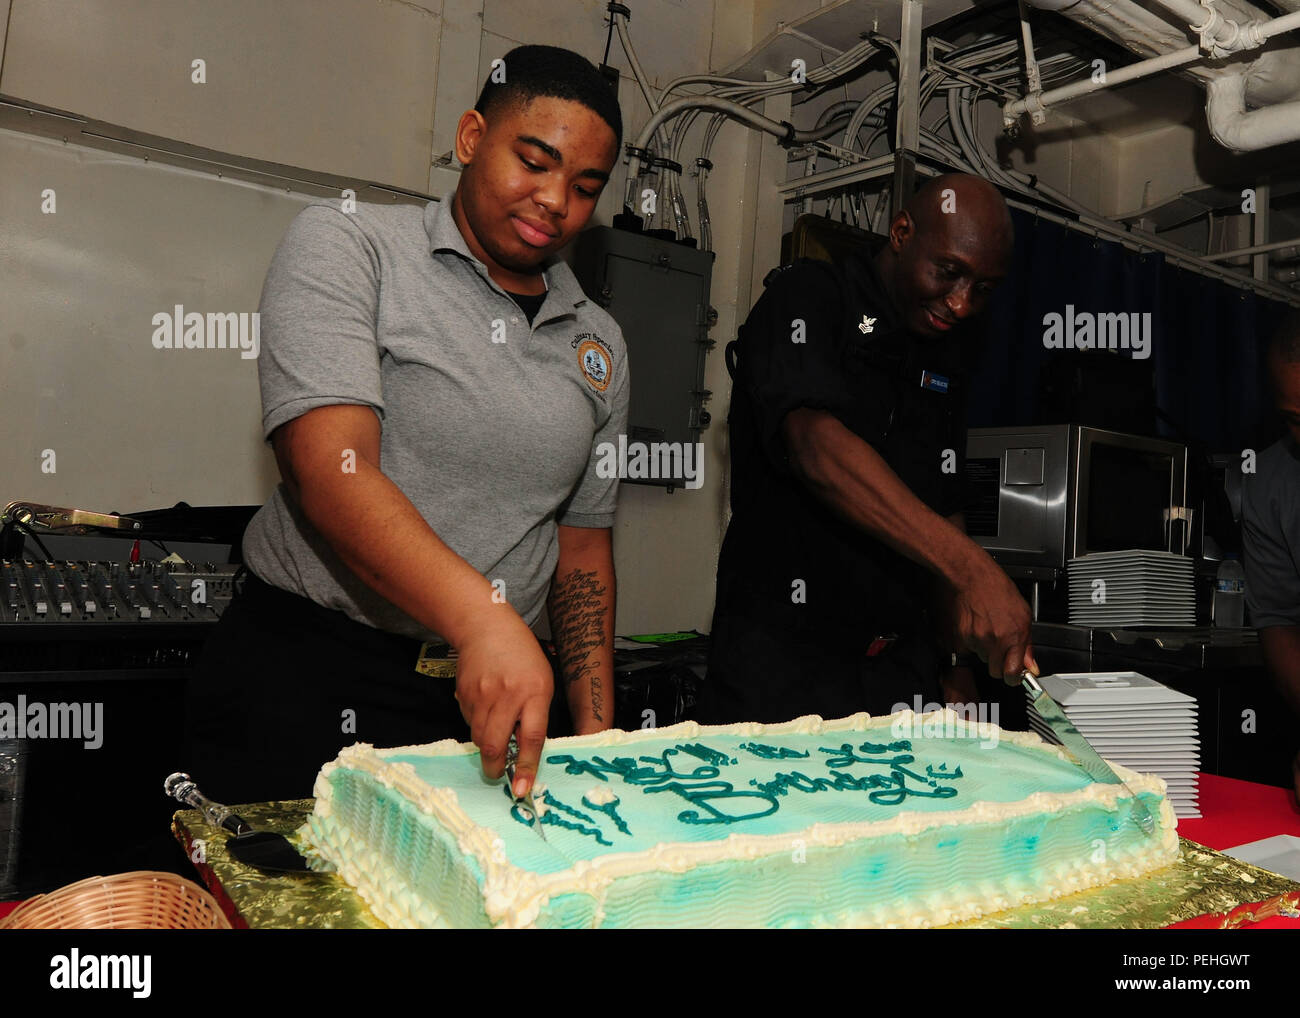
830, 338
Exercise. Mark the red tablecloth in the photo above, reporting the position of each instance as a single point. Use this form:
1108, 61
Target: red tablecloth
1238, 812
1235, 812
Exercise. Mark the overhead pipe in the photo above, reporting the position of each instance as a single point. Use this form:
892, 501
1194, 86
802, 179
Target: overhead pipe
1233, 127
1035, 104
1285, 249
1219, 36
1271, 81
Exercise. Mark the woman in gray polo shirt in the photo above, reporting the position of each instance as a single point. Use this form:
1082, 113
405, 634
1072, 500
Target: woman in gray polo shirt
436, 388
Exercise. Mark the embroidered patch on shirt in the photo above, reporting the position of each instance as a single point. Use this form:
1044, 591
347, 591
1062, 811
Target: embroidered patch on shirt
594, 362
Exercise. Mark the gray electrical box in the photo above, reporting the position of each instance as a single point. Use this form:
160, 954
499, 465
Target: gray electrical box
658, 292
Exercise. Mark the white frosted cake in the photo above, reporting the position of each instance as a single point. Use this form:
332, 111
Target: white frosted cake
908, 820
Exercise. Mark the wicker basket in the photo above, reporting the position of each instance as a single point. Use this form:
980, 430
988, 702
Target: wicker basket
142, 900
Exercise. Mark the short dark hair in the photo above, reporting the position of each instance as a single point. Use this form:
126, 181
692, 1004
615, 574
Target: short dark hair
1284, 344
533, 71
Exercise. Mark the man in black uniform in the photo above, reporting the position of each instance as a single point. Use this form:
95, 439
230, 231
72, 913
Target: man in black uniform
846, 580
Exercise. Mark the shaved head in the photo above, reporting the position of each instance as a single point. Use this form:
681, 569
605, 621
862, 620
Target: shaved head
973, 199
949, 247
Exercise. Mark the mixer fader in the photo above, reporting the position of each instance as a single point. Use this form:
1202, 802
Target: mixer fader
80, 592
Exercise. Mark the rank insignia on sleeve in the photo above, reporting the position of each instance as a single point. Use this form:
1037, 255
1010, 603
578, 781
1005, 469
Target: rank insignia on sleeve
866, 325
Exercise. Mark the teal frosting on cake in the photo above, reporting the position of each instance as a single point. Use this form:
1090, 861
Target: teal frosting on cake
860, 821
668, 794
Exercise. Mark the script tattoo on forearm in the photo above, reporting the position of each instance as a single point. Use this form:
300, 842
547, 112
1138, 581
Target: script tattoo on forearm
597, 698
578, 613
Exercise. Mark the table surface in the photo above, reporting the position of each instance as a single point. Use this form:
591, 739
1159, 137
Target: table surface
1202, 883
1236, 812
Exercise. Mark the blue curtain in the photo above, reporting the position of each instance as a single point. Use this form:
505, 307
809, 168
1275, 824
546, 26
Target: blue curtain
1207, 337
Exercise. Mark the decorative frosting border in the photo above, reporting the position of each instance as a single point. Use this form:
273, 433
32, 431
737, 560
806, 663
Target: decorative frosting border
809, 724
514, 897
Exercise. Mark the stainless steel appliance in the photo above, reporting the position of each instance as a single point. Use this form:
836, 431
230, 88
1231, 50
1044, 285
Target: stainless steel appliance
1038, 496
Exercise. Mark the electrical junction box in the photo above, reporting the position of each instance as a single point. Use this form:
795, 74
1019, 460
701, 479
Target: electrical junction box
658, 292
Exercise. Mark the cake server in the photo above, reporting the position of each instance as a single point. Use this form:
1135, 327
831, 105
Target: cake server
1077, 747
263, 850
512, 754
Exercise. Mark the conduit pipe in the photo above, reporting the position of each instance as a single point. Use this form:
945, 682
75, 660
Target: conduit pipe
1270, 82
1285, 249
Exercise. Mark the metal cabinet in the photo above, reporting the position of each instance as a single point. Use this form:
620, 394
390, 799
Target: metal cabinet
658, 292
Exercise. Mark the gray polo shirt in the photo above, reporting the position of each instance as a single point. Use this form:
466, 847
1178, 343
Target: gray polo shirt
490, 426
1270, 536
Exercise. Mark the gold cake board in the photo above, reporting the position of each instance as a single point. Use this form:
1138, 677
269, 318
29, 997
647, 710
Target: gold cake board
1203, 883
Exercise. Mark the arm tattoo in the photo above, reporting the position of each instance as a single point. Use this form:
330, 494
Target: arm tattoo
578, 613
597, 698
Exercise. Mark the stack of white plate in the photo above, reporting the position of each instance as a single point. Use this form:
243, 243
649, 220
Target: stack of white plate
1135, 721
1132, 588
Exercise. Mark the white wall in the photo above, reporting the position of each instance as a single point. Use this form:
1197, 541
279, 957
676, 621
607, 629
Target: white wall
131, 427
336, 85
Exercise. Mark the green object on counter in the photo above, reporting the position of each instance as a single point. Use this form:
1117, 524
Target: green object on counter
663, 637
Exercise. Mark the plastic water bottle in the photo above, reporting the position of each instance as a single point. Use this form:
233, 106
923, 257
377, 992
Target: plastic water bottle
1230, 594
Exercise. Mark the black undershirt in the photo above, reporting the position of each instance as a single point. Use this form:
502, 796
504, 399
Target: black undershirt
528, 303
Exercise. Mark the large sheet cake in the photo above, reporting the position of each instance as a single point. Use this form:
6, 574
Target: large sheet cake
908, 820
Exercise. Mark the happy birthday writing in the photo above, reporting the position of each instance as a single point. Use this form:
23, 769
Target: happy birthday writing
694, 773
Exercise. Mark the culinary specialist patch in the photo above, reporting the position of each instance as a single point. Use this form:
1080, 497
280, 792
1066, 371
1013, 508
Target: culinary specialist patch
594, 362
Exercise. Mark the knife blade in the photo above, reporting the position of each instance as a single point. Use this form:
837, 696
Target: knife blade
512, 753
1078, 749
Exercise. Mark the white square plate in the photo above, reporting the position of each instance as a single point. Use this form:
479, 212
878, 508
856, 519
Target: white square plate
1279, 854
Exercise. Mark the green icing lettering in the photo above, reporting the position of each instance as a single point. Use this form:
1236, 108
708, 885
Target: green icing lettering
897, 790
596, 767
882, 789
652, 770
772, 752
845, 756
610, 810
924, 780
555, 803
657, 774
704, 795
715, 801
553, 818
799, 782
704, 753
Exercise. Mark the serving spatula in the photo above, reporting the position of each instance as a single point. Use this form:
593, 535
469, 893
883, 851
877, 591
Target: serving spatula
263, 850
1078, 749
